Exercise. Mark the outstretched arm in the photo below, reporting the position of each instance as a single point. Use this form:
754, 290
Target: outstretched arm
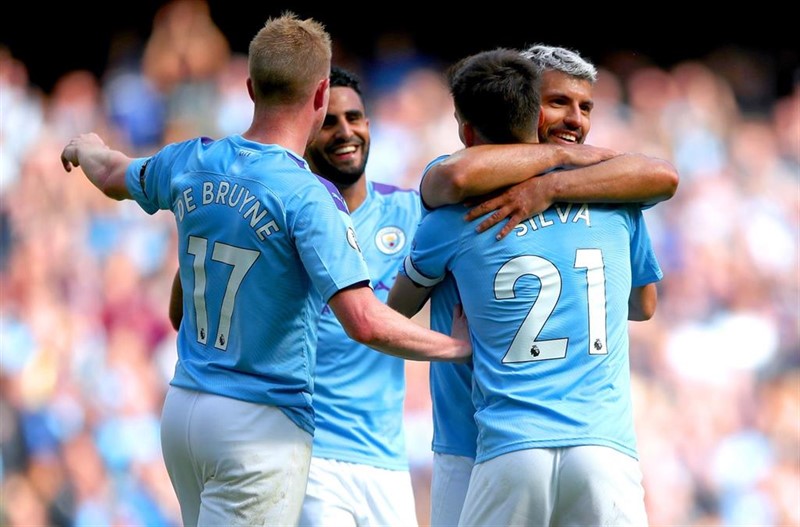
369, 321
625, 178
476, 170
104, 167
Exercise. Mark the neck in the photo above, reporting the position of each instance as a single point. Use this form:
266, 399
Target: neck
355, 194
286, 126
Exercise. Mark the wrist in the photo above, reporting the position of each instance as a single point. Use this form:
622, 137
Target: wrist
551, 187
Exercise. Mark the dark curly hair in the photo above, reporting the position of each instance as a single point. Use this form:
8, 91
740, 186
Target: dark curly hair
342, 78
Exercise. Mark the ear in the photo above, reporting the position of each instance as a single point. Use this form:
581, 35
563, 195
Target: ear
321, 95
250, 91
541, 119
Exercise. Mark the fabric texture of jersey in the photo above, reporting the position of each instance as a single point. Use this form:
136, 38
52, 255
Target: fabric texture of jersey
548, 314
262, 244
359, 393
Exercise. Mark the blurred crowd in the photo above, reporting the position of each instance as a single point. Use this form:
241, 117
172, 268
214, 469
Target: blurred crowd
86, 349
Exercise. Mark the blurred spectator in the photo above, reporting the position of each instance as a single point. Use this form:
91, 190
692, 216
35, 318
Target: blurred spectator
133, 102
183, 57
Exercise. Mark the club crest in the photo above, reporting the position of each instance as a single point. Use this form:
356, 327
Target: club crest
390, 240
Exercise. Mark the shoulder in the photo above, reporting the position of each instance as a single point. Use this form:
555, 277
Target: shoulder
385, 189
434, 162
449, 215
396, 197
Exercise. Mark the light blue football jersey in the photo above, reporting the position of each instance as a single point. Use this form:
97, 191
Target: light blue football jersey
548, 314
454, 429
262, 244
359, 393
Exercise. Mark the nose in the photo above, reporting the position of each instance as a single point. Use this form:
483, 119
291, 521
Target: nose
574, 117
343, 129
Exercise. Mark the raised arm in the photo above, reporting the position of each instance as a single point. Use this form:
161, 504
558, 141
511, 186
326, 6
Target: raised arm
104, 167
369, 321
624, 178
481, 169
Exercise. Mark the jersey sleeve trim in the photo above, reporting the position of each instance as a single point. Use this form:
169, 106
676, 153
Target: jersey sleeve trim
418, 277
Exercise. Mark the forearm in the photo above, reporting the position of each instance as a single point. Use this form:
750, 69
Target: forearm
396, 335
106, 170
625, 178
481, 169
104, 167
368, 321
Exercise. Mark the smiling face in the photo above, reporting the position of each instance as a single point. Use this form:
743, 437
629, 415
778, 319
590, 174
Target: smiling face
340, 150
566, 108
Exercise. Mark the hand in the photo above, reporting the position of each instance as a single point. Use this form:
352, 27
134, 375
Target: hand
70, 157
517, 203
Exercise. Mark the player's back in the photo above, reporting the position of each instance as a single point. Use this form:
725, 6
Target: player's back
547, 308
251, 219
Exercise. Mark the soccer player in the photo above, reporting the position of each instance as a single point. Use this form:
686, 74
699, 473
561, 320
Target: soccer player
552, 394
263, 244
359, 467
567, 103
359, 472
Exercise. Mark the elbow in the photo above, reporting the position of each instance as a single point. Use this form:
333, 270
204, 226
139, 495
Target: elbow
362, 331
115, 194
671, 179
642, 315
457, 187
664, 179
642, 303
643, 311
452, 178
360, 324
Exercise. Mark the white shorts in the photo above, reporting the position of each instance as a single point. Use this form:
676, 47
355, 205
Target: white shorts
343, 494
448, 488
232, 462
584, 485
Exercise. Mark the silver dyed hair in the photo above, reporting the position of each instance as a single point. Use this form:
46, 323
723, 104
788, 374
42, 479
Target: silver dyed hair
561, 59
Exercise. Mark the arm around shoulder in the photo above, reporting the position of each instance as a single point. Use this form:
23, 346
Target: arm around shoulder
480, 169
624, 178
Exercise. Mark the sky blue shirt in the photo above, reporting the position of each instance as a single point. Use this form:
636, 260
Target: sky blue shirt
548, 314
454, 429
359, 392
262, 244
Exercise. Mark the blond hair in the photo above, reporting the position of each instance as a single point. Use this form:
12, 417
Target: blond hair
288, 57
